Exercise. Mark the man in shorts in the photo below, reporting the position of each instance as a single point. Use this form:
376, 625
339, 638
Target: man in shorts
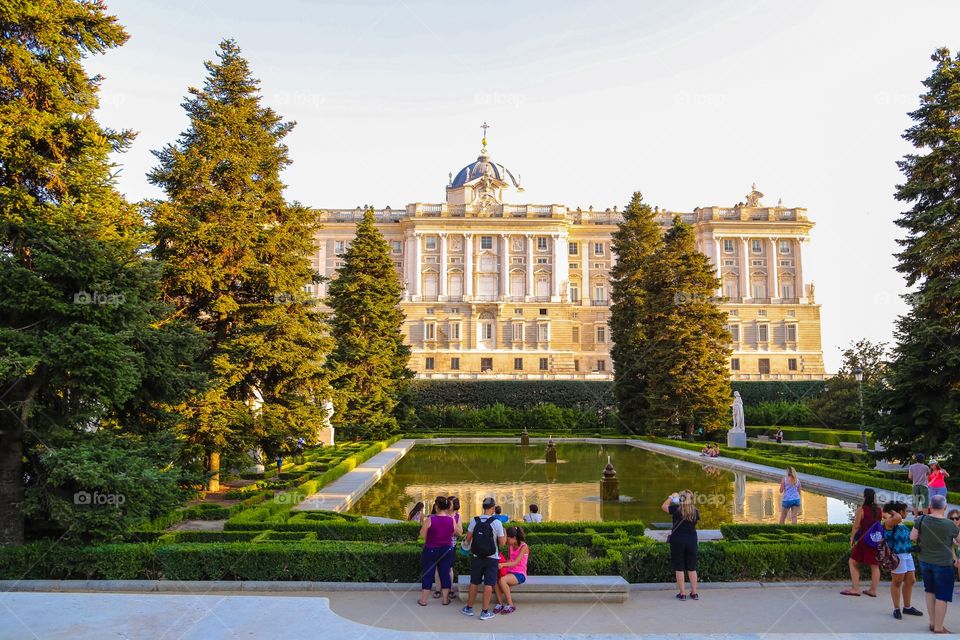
484, 568
918, 473
935, 534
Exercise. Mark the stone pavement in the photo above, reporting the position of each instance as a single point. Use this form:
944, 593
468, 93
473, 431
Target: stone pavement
724, 612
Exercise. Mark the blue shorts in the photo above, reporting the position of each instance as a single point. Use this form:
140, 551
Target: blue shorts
519, 576
938, 491
938, 580
790, 503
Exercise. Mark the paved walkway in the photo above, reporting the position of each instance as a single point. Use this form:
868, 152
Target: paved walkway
341, 493
722, 613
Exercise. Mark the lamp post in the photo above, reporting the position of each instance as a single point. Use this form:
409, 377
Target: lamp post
858, 375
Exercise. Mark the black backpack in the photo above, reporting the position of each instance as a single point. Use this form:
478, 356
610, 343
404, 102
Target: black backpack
484, 543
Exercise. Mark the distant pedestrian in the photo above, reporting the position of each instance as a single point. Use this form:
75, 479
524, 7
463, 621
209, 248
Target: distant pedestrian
779, 436
918, 473
683, 540
437, 556
790, 488
534, 515
485, 536
454, 511
937, 480
935, 535
498, 513
896, 536
862, 552
279, 464
416, 514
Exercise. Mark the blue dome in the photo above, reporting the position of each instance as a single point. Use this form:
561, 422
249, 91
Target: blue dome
484, 167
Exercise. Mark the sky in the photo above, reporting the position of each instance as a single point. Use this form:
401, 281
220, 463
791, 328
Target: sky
689, 103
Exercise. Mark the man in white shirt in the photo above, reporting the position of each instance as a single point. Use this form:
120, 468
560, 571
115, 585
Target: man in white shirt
485, 536
534, 515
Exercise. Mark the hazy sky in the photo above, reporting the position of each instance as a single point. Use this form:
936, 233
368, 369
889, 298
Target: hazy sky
588, 101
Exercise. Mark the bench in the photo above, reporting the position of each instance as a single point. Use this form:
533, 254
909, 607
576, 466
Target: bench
560, 589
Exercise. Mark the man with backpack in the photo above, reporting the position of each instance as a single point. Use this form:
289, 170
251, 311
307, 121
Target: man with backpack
485, 536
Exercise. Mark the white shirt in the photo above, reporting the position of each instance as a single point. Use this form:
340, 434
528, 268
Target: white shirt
533, 517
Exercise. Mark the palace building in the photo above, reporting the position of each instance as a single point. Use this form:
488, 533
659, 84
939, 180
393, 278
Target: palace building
498, 290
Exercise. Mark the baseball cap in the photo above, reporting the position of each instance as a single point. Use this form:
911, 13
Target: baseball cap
489, 502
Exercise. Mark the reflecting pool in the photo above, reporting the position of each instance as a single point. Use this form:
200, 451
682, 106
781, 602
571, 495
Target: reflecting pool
569, 490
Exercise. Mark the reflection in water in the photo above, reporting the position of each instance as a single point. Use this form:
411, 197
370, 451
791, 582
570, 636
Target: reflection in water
567, 492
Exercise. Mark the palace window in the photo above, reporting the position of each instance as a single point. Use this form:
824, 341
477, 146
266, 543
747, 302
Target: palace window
430, 242
573, 248
756, 245
543, 332
734, 332
396, 246
762, 312
598, 248
576, 365
543, 260
601, 365
541, 243
486, 242
792, 364
544, 364
791, 332
543, 311
574, 292
600, 293
428, 363
486, 364
454, 364
454, 330
734, 364
785, 246
518, 364
763, 332
517, 335
575, 335
518, 312
601, 335
486, 330
339, 247
430, 331
763, 365
573, 266
728, 246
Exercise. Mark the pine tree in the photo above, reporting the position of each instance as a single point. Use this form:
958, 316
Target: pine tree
634, 242
921, 401
79, 313
369, 361
235, 262
685, 357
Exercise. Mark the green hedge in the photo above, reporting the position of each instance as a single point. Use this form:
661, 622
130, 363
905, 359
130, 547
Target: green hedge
848, 455
580, 394
744, 531
821, 436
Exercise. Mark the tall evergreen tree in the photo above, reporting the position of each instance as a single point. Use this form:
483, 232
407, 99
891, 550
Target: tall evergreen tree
369, 361
922, 398
79, 311
685, 359
634, 242
235, 262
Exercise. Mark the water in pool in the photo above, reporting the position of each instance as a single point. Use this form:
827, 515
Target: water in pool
569, 490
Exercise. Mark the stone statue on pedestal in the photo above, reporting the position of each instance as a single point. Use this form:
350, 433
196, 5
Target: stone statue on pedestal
326, 435
737, 436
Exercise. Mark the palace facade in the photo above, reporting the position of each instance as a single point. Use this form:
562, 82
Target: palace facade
503, 291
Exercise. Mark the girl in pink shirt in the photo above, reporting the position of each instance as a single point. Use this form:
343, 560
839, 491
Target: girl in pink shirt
937, 480
516, 569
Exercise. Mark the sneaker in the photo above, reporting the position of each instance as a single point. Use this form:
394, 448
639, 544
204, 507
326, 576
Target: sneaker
487, 615
910, 611
681, 596
498, 608
508, 609
467, 611
897, 614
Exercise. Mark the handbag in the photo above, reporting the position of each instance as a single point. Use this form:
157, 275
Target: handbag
886, 558
874, 536
503, 570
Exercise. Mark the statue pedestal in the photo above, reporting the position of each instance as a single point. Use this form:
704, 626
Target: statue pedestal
737, 439
326, 436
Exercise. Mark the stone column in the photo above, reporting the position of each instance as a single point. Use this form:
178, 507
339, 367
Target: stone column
530, 291
408, 267
417, 265
467, 266
745, 269
587, 294
443, 266
559, 268
773, 271
718, 258
798, 269
504, 266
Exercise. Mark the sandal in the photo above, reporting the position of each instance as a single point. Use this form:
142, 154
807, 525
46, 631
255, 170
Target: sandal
850, 592
681, 596
694, 596
423, 604
866, 592
437, 594
943, 630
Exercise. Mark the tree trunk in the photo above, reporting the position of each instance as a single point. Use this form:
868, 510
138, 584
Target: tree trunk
11, 484
213, 466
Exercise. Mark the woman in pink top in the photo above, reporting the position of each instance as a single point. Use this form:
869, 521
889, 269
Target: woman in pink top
437, 557
937, 480
516, 569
